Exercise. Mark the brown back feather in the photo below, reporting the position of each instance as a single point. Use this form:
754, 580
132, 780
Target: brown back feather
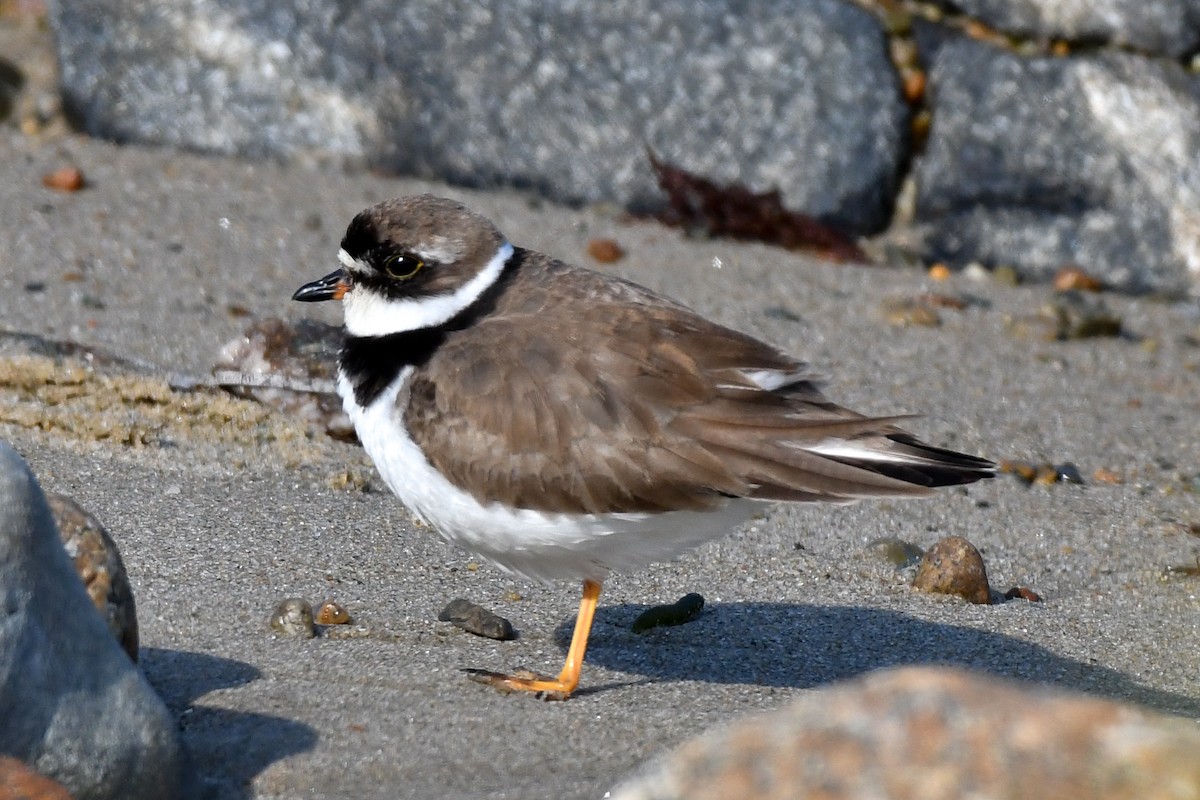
599, 396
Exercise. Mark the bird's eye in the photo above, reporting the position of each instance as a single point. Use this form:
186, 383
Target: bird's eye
402, 267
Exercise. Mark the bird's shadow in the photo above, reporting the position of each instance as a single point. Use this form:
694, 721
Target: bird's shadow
226, 748
804, 646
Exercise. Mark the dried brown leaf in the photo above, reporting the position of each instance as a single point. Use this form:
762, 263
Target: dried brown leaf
735, 211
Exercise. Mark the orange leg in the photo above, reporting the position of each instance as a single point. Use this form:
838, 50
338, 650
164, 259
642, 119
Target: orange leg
559, 688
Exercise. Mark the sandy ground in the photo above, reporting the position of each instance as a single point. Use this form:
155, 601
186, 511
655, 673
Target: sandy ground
222, 510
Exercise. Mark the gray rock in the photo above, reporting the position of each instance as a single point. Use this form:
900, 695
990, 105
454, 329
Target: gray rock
1166, 27
73, 705
933, 732
560, 97
1041, 162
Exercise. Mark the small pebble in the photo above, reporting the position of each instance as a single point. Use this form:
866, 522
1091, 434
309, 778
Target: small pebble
1024, 593
913, 83
331, 613
1104, 475
1046, 475
977, 272
1068, 473
476, 619
293, 617
1022, 469
606, 251
939, 272
954, 566
896, 552
779, 312
66, 179
682, 611
906, 311
1074, 278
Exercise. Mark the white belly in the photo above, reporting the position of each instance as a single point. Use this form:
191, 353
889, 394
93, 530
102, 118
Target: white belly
529, 543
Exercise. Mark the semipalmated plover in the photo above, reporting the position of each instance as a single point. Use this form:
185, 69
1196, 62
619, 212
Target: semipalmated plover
561, 423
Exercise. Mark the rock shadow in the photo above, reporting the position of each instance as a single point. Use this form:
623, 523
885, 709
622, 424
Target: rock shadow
226, 748
806, 646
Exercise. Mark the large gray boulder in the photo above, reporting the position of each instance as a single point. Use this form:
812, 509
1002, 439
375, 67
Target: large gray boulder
559, 97
1043, 162
1089, 160
1163, 27
72, 704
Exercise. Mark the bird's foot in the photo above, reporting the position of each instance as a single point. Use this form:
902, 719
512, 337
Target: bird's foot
543, 687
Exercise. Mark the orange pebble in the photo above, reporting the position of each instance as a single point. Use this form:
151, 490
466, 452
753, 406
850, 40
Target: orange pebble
606, 251
914, 86
1069, 278
331, 613
66, 179
939, 272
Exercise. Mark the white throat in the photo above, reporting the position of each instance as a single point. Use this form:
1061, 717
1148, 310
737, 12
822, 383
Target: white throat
368, 314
